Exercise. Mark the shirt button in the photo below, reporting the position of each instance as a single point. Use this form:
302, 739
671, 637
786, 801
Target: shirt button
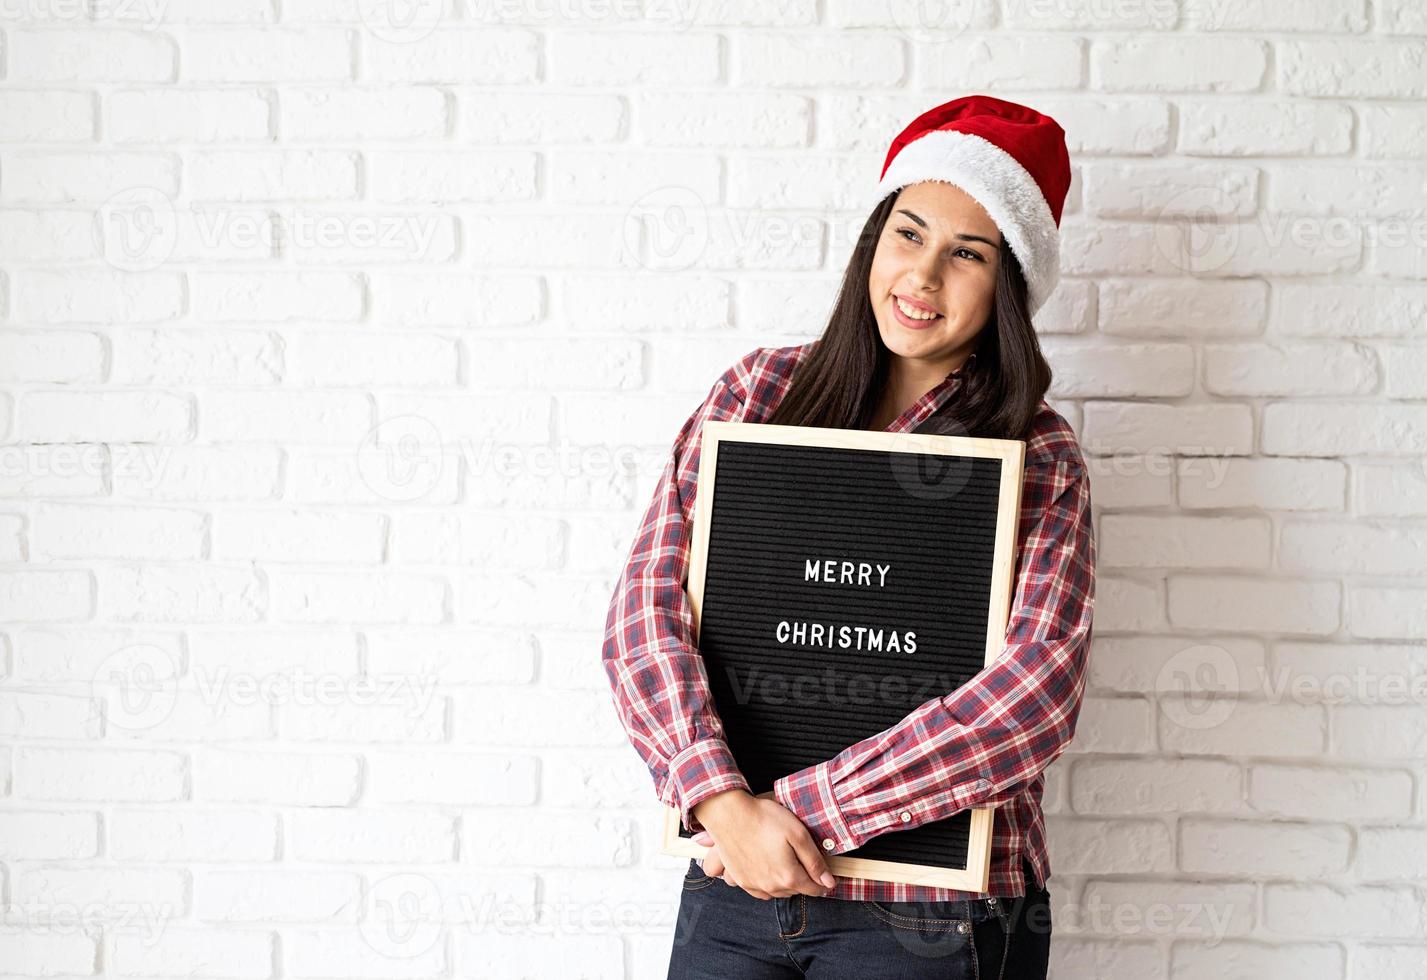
982, 784
906, 817
829, 843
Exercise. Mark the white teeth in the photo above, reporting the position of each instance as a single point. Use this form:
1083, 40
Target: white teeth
913, 312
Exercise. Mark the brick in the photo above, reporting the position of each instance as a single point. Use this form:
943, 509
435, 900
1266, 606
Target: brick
1181, 64
1153, 541
273, 175
34, 835
239, 776
621, 58
100, 775
1135, 786
91, 56
188, 116
1327, 794
64, 177
1260, 127
47, 117
1285, 370
1375, 68
1006, 63
267, 55
85, 532
210, 836
1278, 848
1264, 484
1134, 308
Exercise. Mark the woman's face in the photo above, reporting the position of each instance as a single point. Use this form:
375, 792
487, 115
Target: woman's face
938, 254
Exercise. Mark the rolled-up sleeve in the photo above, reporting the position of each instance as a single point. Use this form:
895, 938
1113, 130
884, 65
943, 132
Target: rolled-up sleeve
985, 742
650, 655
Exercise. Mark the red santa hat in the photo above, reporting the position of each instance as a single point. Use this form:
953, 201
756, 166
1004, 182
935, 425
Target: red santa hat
1008, 157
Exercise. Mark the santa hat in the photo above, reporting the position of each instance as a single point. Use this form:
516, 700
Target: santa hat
1008, 157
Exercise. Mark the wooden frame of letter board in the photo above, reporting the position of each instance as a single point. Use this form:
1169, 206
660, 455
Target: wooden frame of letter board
975, 877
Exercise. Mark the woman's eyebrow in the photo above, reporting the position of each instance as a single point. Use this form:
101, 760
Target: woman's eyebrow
963, 235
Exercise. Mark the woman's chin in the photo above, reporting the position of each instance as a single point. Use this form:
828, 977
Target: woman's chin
909, 343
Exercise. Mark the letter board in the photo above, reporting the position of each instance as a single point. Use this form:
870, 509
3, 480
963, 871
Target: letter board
840, 578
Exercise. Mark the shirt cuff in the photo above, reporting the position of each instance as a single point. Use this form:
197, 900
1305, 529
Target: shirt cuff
701, 770
808, 793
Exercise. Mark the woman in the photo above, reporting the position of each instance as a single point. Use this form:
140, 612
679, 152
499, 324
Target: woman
931, 332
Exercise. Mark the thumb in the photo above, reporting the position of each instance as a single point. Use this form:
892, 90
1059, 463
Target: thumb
812, 859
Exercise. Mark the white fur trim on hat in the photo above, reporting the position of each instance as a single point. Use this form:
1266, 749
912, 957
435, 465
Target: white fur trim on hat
999, 184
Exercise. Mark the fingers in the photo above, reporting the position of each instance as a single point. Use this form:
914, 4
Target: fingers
812, 860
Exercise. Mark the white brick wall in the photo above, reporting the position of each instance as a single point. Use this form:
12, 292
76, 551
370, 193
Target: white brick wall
285, 694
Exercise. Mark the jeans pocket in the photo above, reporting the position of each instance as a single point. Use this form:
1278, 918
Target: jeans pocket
936, 934
945, 917
694, 877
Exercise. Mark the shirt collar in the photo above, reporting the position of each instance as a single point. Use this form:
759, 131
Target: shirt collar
925, 406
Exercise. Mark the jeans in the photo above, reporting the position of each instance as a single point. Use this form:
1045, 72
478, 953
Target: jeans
724, 932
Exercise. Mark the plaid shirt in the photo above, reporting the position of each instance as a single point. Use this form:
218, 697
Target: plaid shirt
983, 745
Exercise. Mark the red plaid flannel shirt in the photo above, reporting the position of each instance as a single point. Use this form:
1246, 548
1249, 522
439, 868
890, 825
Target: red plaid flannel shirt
983, 745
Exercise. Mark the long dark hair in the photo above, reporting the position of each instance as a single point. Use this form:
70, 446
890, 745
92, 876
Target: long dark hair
840, 381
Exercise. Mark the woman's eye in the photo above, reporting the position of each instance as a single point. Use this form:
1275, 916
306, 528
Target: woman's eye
911, 235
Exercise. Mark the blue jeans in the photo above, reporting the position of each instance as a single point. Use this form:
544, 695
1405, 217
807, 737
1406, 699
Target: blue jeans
724, 932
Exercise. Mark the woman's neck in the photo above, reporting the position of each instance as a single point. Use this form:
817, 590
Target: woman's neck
908, 381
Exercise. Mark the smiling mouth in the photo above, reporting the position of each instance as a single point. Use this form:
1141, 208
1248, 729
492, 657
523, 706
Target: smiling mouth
912, 311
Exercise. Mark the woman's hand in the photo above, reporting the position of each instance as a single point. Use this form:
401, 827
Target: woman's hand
761, 846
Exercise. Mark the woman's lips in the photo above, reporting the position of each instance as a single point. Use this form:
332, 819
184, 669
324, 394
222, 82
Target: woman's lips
910, 323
